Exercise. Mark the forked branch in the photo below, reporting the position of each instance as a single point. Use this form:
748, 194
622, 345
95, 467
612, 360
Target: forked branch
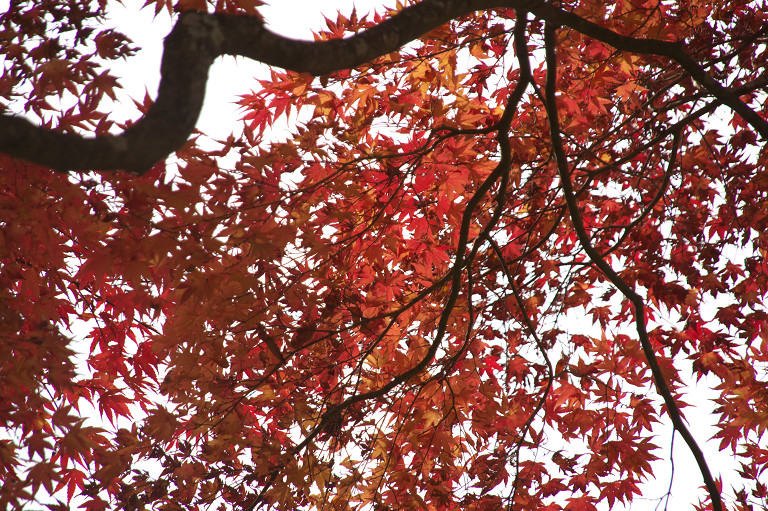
198, 39
597, 259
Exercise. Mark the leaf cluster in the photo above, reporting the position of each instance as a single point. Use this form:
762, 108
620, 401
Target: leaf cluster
479, 272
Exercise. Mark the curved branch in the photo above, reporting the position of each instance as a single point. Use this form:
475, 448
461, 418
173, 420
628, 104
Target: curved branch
499, 174
630, 294
673, 50
627, 229
198, 39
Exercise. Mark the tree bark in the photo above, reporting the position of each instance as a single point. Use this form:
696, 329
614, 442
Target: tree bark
198, 39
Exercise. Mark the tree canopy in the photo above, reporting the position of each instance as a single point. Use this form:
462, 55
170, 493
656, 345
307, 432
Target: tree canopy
499, 241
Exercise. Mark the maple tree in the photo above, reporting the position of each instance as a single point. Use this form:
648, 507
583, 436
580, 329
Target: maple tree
475, 276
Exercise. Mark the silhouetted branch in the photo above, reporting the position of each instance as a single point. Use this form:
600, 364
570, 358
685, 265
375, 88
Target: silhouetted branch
198, 39
629, 293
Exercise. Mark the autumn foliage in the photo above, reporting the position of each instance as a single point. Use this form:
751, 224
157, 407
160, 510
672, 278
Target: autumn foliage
480, 273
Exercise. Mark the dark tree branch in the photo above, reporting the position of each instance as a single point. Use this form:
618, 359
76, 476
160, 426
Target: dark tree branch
673, 50
198, 39
597, 259
195, 42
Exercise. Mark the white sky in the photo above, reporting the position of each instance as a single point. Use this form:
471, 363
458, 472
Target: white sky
230, 77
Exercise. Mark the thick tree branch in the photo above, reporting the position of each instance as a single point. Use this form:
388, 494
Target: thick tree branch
198, 39
195, 42
597, 259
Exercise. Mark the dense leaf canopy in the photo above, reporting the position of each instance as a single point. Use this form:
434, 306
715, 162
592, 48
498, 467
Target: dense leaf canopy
499, 240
